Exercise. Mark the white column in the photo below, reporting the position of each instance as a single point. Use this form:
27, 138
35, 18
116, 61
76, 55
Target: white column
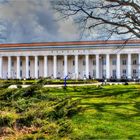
118, 67
65, 65
97, 66
129, 66
9, 67
45, 66
27, 67
1, 66
107, 66
18, 67
87, 65
139, 66
36, 67
55, 66
76, 66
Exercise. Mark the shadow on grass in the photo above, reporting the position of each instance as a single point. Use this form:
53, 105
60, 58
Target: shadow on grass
102, 108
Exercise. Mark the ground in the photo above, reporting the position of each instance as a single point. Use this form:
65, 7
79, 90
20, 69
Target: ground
111, 112
72, 113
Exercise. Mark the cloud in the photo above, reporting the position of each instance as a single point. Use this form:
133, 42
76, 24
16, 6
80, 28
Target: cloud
32, 21
28, 21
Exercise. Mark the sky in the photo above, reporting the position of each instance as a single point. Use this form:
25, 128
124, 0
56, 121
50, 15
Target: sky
26, 21
33, 21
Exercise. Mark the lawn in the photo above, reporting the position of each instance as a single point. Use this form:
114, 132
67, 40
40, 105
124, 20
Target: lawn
74, 113
110, 112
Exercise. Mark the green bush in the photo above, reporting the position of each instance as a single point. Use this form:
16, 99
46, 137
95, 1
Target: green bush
65, 128
7, 118
33, 137
26, 119
7, 94
51, 128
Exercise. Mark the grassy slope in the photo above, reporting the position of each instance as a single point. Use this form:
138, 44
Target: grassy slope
111, 112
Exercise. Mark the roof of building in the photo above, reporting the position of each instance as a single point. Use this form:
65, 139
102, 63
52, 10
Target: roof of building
72, 43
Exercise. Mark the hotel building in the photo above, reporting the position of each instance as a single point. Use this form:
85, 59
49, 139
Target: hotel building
79, 60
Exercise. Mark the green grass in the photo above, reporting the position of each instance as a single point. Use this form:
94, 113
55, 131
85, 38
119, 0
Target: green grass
111, 112
108, 112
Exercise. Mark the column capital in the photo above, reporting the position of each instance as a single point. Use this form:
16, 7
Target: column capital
118, 53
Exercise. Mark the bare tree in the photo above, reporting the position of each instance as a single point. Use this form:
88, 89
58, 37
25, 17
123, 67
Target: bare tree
121, 17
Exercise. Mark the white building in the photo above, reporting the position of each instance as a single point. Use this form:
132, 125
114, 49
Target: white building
96, 59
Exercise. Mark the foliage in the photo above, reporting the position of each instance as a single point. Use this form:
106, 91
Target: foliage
7, 118
34, 107
77, 113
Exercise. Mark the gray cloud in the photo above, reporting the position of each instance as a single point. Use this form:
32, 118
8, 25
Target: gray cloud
32, 21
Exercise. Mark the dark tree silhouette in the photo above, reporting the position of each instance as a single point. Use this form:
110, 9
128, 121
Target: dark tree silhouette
117, 16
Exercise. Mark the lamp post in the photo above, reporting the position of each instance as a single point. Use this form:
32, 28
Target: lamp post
65, 81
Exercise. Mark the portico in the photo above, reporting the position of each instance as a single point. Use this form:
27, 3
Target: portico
78, 61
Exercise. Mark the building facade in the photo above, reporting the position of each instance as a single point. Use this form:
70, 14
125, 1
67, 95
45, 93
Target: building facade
78, 60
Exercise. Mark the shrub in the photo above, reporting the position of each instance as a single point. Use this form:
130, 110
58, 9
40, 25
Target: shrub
7, 94
33, 137
51, 128
65, 128
7, 118
26, 119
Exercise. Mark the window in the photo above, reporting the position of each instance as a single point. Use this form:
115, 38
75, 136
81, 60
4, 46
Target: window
94, 73
29, 73
104, 73
94, 62
20, 73
104, 62
114, 62
124, 62
134, 62
124, 71
12, 63
83, 62
73, 63
114, 73
38, 62
21, 63
134, 71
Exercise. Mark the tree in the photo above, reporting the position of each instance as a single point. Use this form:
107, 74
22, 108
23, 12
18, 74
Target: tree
121, 17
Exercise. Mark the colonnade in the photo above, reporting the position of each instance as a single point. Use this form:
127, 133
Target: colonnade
76, 59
